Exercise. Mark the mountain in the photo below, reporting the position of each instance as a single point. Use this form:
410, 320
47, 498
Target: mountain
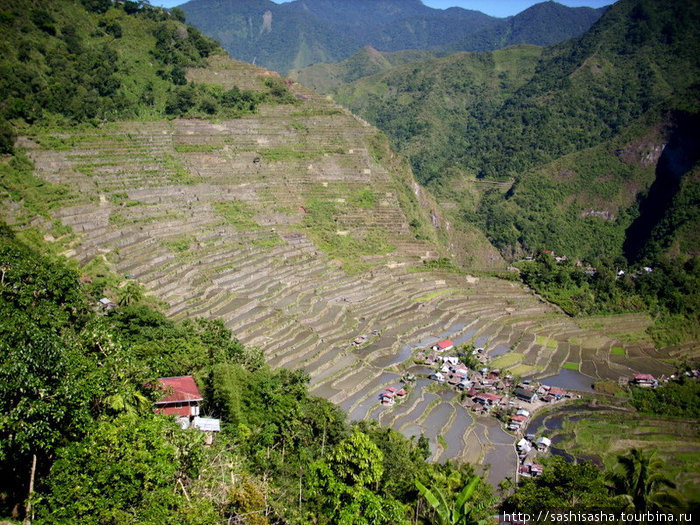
558, 132
543, 24
166, 211
324, 77
303, 32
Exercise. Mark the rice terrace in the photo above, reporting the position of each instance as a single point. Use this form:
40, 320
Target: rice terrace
228, 220
479, 282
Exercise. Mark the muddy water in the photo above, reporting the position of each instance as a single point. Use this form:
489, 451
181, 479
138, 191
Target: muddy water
454, 437
499, 350
370, 391
415, 413
466, 336
482, 340
435, 422
569, 380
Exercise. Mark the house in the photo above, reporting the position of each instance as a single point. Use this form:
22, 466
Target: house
487, 399
536, 470
525, 395
557, 393
181, 397
543, 443
451, 359
644, 380
443, 346
207, 425
454, 380
107, 304
524, 445
518, 419
401, 393
462, 371
437, 376
522, 412
387, 397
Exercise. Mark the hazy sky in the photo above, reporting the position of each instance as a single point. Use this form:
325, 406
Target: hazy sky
490, 7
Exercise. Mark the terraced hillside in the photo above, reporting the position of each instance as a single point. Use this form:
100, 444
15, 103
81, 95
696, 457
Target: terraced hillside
297, 229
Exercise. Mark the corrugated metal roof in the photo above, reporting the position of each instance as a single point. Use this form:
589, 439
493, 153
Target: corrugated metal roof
179, 389
207, 424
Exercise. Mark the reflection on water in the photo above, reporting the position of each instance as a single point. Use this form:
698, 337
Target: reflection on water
499, 350
570, 380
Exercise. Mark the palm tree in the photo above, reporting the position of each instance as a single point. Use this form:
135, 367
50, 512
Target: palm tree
130, 293
463, 512
640, 482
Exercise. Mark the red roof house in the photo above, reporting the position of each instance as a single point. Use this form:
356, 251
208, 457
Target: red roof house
182, 397
445, 345
487, 399
644, 380
556, 392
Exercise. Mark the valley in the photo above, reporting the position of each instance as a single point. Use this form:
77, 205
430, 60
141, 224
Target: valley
357, 322
213, 218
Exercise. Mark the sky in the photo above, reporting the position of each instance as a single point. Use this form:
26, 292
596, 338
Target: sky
500, 8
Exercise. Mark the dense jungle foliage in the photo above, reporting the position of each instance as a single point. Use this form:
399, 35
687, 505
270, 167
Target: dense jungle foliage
669, 291
69, 62
75, 394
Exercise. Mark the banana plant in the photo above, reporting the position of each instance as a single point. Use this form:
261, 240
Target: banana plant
462, 512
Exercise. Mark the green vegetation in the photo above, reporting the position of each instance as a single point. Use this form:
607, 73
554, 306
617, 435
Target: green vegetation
236, 213
81, 63
552, 148
77, 394
20, 184
546, 341
618, 350
508, 360
607, 435
288, 38
675, 399
570, 366
669, 291
321, 222
637, 483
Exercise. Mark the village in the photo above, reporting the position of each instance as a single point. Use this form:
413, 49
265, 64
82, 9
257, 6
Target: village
491, 392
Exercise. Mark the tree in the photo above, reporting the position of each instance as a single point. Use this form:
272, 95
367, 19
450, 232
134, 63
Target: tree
563, 485
343, 484
640, 483
131, 293
129, 470
48, 383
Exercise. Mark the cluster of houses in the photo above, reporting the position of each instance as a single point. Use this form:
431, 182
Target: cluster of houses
390, 395
528, 447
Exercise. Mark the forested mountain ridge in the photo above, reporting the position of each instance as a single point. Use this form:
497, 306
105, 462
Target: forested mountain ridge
633, 72
593, 144
296, 34
196, 199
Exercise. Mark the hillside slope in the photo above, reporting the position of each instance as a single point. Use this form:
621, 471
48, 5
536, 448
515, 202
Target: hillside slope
633, 75
303, 32
295, 224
